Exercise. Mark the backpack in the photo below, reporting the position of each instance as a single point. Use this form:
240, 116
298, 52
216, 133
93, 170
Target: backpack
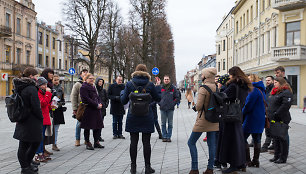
216, 106
15, 107
140, 101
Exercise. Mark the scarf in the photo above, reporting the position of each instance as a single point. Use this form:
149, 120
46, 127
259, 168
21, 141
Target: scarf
277, 90
167, 86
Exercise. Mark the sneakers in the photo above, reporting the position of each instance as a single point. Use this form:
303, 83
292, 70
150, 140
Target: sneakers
77, 143
115, 137
89, 146
98, 145
55, 148
40, 158
209, 171
194, 172
121, 137
169, 140
165, 140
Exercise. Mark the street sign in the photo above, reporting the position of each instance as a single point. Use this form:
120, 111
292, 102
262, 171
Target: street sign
155, 71
4, 76
72, 71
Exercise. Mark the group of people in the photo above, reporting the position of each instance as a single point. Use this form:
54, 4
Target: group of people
228, 141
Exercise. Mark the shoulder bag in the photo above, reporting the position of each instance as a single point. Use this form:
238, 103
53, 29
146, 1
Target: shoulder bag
233, 112
80, 111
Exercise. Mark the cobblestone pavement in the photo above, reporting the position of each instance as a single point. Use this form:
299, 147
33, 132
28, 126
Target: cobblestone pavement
167, 158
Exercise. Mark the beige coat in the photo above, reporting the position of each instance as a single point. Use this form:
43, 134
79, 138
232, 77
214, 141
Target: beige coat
75, 96
202, 125
189, 97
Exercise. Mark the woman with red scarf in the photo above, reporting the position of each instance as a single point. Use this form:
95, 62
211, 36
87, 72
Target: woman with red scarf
279, 104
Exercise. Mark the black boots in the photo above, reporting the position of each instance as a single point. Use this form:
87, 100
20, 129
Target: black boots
133, 168
149, 169
255, 161
247, 155
159, 131
27, 170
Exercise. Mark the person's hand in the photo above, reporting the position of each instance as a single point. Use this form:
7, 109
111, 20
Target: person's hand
99, 106
157, 80
74, 112
53, 107
48, 89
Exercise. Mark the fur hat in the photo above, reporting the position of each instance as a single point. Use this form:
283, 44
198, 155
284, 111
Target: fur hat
40, 81
210, 72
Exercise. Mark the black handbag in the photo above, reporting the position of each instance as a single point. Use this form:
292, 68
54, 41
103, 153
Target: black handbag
279, 130
233, 112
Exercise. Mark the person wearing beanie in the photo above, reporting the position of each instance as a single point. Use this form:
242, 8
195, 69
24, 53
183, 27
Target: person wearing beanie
222, 82
202, 125
44, 95
140, 124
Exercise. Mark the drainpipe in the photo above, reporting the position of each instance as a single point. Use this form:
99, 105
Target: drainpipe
233, 41
259, 6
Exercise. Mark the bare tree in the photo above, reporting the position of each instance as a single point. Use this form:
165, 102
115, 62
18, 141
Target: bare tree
84, 19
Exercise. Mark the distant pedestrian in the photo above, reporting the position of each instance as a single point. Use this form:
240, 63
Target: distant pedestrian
254, 118
167, 106
179, 96
92, 118
202, 125
144, 124
304, 104
45, 95
278, 111
58, 113
104, 99
75, 101
189, 97
29, 132
117, 108
231, 145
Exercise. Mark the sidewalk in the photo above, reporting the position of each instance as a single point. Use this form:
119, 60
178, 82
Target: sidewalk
167, 158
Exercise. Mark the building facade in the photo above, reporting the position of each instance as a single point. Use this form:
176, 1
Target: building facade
17, 39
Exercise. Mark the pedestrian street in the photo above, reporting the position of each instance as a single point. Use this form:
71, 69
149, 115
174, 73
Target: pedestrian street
167, 158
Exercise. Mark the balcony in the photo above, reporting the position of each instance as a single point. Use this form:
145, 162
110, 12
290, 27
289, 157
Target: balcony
5, 31
288, 4
289, 53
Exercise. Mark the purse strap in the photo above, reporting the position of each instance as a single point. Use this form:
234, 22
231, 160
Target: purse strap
266, 105
237, 93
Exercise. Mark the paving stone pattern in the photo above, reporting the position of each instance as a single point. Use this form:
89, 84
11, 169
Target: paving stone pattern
167, 158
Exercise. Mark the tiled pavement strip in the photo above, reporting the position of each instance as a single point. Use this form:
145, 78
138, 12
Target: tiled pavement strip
167, 158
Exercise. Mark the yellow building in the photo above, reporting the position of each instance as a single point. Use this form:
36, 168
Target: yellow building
270, 34
17, 39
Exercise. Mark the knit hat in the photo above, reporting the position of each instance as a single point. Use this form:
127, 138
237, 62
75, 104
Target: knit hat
223, 79
40, 81
210, 72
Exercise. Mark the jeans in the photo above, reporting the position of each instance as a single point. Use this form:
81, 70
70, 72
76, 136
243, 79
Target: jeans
56, 127
212, 146
256, 137
146, 147
167, 116
26, 152
41, 145
78, 131
117, 124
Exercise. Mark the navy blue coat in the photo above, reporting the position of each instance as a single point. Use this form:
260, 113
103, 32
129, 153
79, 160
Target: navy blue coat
254, 109
144, 124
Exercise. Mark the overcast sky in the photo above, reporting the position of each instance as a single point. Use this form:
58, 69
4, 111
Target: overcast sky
193, 23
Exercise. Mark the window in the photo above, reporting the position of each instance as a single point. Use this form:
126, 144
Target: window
66, 64
53, 62
269, 3
53, 43
66, 48
256, 47
237, 29
60, 64
18, 55
223, 45
223, 64
251, 13
219, 49
293, 33
39, 60
40, 38
47, 61
18, 26
219, 68
240, 23
29, 30
28, 57
274, 36
247, 17
60, 45
47, 40
8, 20
263, 5
268, 41
243, 20
256, 8
8, 54
263, 43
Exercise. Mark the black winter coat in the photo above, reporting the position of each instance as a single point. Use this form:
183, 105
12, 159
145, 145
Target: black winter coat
231, 144
103, 97
117, 107
31, 129
169, 98
58, 114
279, 106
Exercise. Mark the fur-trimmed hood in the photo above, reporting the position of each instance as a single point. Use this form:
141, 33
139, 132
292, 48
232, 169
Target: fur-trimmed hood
23, 82
141, 73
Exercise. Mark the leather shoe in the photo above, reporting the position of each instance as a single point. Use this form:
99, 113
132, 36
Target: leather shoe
273, 159
98, 145
280, 161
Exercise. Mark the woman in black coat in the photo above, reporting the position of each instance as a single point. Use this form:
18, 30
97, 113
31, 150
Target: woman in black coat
280, 102
92, 118
140, 124
103, 97
28, 132
231, 145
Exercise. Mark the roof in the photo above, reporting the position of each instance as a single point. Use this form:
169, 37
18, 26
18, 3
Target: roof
225, 18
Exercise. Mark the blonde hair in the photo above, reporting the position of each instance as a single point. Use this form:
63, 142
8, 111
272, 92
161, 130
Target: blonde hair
254, 78
87, 76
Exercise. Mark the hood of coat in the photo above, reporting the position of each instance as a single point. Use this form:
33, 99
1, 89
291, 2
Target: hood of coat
140, 78
260, 85
97, 81
209, 74
23, 82
141, 73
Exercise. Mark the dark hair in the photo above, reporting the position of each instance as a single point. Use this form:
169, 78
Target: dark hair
84, 70
270, 77
141, 67
45, 73
280, 68
167, 76
29, 71
218, 76
283, 83
119, 76
239, 76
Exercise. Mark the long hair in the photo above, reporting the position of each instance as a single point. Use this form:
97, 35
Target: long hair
238, 76
45, 73
283, 84
254, 78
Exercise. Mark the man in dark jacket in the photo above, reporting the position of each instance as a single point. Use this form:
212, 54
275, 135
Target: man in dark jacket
28, 132
169, 99
117, 108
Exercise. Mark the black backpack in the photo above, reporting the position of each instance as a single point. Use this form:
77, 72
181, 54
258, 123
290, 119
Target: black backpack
216, 106
15, 107
140, 101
